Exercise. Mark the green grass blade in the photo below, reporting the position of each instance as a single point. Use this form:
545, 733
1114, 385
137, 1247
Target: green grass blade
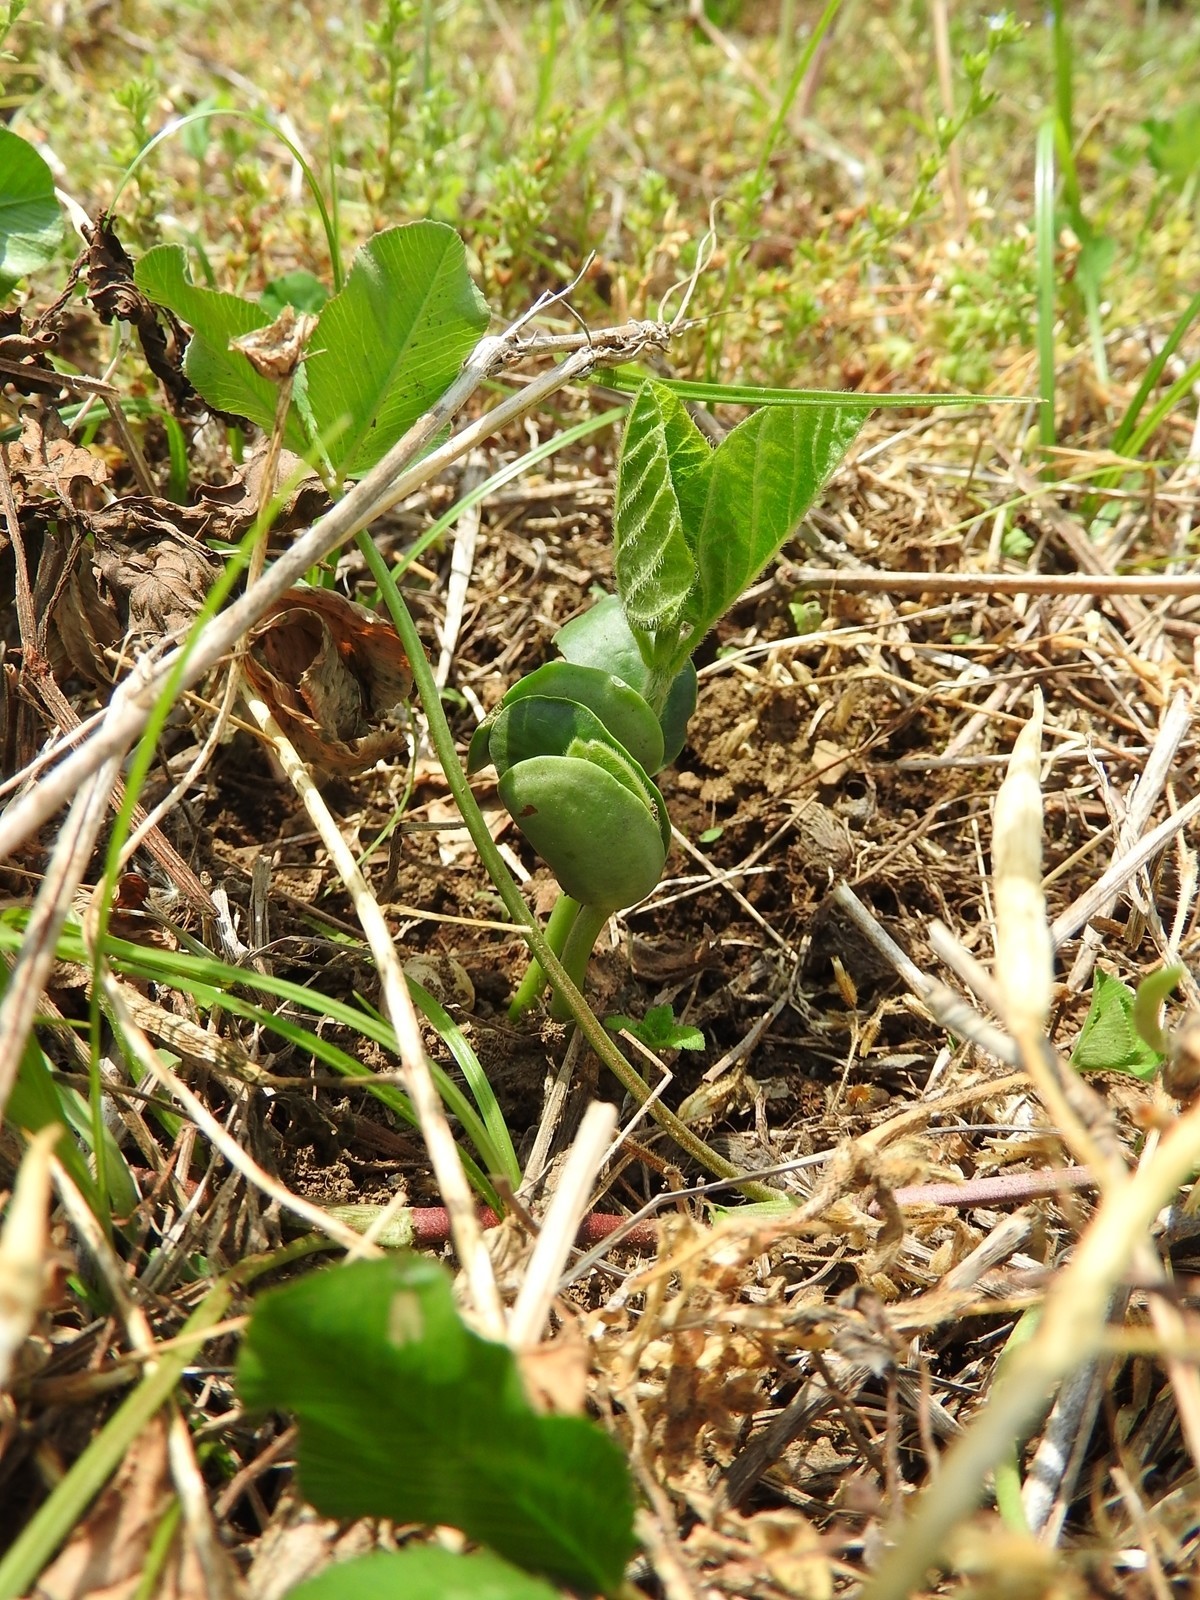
1153, 373
1044, 219
504, 1156
213, 983
630, 379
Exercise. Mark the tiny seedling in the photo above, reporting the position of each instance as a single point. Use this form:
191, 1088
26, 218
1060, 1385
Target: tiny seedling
659, 1031
1122, 1031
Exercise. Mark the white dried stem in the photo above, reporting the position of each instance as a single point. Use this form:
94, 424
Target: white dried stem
23, 1248
560, 1224
443, 1152
1073, 1330
1024, 953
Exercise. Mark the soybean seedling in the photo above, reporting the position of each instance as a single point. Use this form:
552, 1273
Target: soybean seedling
576, 744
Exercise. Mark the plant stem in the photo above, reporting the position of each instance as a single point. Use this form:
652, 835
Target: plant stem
576, 953
506, 886
558, 929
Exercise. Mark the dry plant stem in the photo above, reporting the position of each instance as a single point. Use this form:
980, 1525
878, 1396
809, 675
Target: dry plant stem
1089, 904
950, 1009
443, 1153
402, 471
552, 1113
31, 970
36, 672
560, 1225
185, 1471
1071, 1331
1146, 790
24, 1239
916, 583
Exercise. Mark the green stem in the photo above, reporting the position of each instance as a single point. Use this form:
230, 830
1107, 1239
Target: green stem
562, 920
585, 930
514, 903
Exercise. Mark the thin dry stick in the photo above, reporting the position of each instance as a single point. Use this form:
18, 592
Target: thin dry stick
185, 1471
238, 1158
31, 970
1099, 584
1072, 1330
443, 1152
1088, 905
950, 1009
1146, 790
560, 1224
462, 563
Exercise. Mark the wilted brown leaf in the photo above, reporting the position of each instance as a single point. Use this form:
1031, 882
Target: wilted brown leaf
335, 676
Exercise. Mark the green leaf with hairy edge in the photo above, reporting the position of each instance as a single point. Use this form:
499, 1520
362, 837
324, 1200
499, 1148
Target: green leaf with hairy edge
406, 1414
661, 450
423, 1572
693, 526
1108, 1040
222, 376
764, 477
31, 226
393, 340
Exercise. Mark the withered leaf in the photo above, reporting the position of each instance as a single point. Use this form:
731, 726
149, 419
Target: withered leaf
335, 676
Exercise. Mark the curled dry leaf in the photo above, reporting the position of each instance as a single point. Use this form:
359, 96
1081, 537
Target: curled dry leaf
45, 458
336, 678
274, 352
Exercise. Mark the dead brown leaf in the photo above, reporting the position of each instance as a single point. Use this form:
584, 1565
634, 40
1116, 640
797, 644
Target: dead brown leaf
336, 678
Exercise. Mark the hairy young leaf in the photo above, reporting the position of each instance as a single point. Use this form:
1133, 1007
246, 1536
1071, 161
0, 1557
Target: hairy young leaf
1108, 1040
422, 1572
693, 526
30, 219
404, 1413
393, 340
764, 477
662, 449
223, 376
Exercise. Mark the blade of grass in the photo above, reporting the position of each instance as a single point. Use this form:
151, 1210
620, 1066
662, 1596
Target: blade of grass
177, 124
498, 480
211, 983
1044, 219
629, 379
1153, 373
1182, 387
